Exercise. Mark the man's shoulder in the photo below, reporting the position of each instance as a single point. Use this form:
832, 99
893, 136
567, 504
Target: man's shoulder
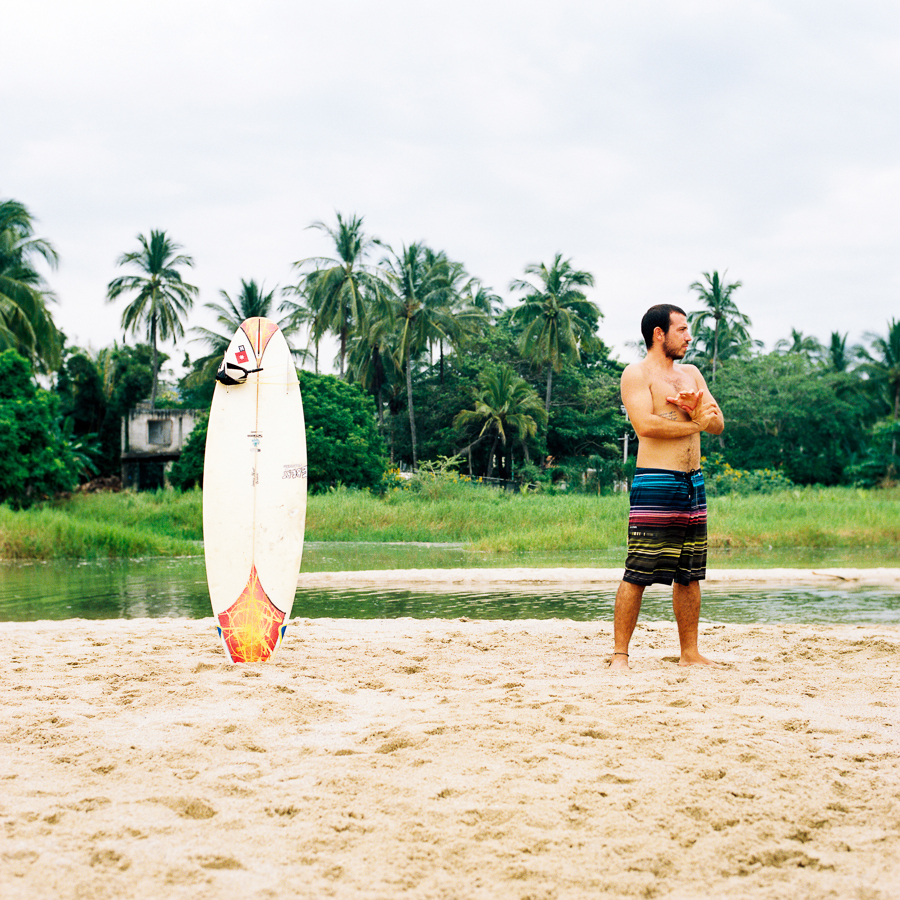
692, 370
635, 371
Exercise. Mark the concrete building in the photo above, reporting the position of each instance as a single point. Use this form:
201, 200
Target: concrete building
152, 440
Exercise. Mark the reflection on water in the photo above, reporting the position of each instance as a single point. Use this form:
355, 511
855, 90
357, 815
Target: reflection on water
104, 589
158, 588
794, 604
355, 557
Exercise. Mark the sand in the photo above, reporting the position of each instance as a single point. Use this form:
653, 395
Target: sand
448, 759
572, 577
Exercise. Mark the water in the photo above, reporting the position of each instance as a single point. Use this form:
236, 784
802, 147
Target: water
156, 588
350, 556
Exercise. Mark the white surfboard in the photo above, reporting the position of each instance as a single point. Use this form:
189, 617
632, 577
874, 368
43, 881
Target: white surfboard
254, 492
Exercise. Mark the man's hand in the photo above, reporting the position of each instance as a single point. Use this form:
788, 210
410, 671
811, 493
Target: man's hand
708, 416
687, 401
691, 402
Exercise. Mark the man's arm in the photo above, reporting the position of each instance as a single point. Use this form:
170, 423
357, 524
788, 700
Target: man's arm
639, 405
700, 404
716, 423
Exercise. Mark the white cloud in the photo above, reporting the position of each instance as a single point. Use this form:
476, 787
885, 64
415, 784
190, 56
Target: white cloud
650, 141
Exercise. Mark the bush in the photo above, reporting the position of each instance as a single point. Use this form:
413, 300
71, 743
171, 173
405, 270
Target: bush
880, 464
37, 462
342, 441
187, 470
722, 478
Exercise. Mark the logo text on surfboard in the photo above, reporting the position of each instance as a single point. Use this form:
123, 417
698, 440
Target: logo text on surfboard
292, 470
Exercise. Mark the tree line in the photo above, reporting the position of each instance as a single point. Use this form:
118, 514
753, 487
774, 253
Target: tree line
434, 365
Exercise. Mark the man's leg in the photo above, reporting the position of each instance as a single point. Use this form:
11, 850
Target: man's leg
628, 605
686, 606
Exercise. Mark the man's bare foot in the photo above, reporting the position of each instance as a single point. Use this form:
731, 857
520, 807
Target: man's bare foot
619, 663
696, 659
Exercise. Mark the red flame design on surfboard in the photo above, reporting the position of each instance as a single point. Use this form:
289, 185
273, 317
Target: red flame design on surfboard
259, 331
250, 626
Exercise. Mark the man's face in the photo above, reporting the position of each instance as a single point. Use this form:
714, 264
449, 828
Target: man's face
678, 338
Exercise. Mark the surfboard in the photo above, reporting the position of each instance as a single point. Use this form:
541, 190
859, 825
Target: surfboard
254, 491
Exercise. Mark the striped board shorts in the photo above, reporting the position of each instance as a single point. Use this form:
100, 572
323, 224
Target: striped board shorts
666, 527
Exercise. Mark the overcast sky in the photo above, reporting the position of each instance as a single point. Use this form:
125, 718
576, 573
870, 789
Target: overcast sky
648, 141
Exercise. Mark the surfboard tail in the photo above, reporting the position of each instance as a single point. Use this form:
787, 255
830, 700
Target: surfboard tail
252, 628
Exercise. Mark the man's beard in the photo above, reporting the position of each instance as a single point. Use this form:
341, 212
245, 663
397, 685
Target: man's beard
673, 352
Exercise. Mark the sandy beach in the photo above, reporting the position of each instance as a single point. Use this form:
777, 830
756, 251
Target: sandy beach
528, 577
448, 759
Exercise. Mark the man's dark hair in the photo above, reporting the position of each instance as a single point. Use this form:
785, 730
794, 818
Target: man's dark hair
659, 316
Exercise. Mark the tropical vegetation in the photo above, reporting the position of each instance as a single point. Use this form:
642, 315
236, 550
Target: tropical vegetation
557, 316
433, 507
720, 329
162, 298
251, 301
433, 368
26, 322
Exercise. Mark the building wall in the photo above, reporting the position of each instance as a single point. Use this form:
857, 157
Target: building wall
162, 431
151, 441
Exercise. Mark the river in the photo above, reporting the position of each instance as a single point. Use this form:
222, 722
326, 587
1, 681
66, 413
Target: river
159, 588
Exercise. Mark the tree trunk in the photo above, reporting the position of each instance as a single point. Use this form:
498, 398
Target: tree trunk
894, 436
549, 386
154, 365
393, 420
378, 378
715, 359
492, 457
412, 414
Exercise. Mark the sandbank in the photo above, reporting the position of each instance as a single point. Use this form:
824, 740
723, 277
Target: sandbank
448, 759
415, 578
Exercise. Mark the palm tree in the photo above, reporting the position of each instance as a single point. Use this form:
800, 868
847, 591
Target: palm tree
800, 343
720, 311
420, 287
370, 349
466, 318
885, 368
26, 324
252, 301
505, 406
301, 314
334, 288
163, 298
838, 355
483, 298
557, 316
734, 343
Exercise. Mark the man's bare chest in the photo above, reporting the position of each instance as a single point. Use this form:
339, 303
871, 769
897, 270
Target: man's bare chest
663, 386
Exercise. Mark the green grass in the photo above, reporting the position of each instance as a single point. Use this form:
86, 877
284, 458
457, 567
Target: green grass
167, 523
811, 517
487, 520
503, 522
98, 525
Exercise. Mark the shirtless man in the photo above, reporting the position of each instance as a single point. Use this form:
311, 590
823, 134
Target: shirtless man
668, 406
